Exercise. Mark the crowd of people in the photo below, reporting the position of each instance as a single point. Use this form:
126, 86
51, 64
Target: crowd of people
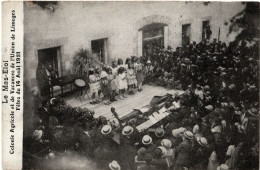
214, 127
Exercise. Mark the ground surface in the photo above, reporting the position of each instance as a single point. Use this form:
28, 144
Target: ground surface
123, 107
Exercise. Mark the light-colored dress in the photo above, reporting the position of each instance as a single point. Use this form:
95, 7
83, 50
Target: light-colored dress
112, 82
121, 81
131, 78
94, 84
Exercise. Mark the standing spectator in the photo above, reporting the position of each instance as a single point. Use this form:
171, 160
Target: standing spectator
184, 151
139, 74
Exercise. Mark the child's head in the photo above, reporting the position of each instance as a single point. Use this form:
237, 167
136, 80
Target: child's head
109, 71
114, 63
106, 69
130, 66
96, 71
133, 59
119, 61
127, 61
121, 70
138, 60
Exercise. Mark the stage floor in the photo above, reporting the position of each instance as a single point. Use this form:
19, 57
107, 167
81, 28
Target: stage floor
123, 107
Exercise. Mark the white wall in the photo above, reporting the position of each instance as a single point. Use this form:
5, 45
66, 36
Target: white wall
74, 24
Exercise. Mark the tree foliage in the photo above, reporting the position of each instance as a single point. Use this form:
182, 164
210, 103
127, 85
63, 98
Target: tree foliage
248, 21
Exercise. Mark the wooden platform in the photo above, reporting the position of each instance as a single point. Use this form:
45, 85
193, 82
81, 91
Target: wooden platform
123, 107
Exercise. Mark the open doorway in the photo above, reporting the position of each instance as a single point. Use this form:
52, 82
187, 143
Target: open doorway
49, 57
186, 34
153, 38
100, 49
48, 69
206, 31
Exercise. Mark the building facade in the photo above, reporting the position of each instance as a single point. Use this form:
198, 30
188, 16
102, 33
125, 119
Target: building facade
117, 29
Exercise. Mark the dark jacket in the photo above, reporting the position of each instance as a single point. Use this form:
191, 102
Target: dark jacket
184, 153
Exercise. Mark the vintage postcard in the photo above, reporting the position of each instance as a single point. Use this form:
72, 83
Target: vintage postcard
130, 85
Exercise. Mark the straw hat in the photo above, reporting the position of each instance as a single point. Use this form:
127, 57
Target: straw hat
147, 140
252, 88
159, 132
166, 143
189, 135
206, 87
223, 74
232, 86
202, 141
114, 165
177, 132
149, 62
164, 150
209, 107
127, 130
222, 167
37, 134
106, 129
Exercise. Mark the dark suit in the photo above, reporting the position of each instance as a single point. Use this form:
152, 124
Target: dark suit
184, 150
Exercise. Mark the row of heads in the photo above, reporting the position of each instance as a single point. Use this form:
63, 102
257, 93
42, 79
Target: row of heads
159, 132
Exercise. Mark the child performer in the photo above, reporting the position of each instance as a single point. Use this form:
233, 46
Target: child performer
139, 74
98, 85
105, 85
93, 84
111, 78
133, 61
121, 82
130, 78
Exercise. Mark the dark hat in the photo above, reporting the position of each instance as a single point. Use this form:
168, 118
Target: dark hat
159, 132
141, 151
157, 153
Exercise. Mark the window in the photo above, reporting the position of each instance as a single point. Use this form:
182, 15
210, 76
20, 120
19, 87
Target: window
186, 34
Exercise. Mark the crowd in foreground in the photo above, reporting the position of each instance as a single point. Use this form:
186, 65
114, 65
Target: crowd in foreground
215, 127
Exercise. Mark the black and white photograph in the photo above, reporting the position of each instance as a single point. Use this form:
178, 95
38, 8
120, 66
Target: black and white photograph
140, 85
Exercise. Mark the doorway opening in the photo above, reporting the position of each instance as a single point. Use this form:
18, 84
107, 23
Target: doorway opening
186, 34
50, 58
206, 31
153, 38
100, 49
